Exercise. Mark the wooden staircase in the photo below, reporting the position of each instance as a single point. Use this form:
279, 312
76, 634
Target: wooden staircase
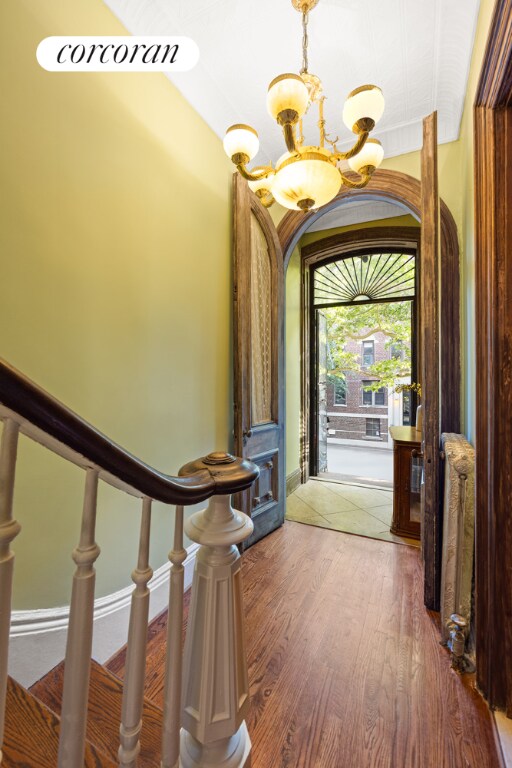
32, 734
96, 718
33, 722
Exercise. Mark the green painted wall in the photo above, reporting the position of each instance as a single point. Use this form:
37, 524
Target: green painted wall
116, 284
466, 185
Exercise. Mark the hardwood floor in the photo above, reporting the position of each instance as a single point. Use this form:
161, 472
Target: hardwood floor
345, 664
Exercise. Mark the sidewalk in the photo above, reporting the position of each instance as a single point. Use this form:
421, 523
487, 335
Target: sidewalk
379, 444
355, 460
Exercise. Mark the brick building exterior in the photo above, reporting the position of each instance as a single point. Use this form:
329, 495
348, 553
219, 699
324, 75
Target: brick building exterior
353, 413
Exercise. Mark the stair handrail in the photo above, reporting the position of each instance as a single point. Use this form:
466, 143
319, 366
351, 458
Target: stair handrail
191, 735
43, 416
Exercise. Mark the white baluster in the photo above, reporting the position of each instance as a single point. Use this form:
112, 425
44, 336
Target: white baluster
173, 666
9, 529
215, 681
133, 692
79, 639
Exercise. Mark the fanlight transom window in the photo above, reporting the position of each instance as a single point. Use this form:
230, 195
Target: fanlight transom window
366, 277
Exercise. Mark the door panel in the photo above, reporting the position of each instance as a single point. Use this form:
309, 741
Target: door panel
261, 325
431, 514
259, 374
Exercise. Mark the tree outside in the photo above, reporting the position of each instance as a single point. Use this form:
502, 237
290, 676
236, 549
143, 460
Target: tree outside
368, 355
360, 322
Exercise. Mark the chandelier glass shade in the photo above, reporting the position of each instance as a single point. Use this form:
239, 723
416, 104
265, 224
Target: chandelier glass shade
307, 177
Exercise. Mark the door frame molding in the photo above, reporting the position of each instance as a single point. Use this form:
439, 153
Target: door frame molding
493, 279
312, 255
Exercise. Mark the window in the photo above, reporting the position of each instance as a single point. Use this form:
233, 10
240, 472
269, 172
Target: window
397, 352
340, 392
372, 427
373, 398
380, 397
339, 389
368, 353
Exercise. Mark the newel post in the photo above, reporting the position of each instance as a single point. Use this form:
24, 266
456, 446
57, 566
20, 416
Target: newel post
215, 680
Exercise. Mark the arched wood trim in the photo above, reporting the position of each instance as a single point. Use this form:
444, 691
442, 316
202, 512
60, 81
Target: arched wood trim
361, 239
405, 190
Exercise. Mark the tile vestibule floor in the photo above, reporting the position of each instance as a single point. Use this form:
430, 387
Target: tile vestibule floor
348, 508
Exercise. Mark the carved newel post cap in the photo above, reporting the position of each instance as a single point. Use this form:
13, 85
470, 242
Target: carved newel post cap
219, 457
229, 473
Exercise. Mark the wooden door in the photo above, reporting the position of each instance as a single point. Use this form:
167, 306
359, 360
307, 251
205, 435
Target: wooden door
321, 345
493, 327
258, 364
431, 517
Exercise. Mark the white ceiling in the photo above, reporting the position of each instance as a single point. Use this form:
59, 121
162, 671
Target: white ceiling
418, 51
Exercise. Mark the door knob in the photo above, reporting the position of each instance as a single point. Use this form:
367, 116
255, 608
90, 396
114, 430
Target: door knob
246, 434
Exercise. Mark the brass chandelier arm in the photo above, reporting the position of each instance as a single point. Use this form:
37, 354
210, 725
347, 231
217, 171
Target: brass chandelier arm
289, 137
267, 200
251, 176
361, 141
364, 180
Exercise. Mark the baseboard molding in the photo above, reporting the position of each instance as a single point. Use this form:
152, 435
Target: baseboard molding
293, 481
503, 738
38, 638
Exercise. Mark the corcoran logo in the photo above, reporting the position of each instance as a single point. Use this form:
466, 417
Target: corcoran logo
117, 54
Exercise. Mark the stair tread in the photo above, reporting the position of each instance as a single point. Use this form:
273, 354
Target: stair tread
155, 654
32, 730
104, 712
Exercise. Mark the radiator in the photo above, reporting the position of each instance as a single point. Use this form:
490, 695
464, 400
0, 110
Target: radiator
458, 532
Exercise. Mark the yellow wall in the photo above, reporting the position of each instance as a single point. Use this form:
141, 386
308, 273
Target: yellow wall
115, 283
293, 348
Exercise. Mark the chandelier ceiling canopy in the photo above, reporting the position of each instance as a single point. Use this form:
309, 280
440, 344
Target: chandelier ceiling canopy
308, 176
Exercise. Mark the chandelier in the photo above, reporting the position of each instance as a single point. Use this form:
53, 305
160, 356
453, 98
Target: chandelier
307, 176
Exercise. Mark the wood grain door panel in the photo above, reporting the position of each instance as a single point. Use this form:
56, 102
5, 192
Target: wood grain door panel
258, 362
431, 521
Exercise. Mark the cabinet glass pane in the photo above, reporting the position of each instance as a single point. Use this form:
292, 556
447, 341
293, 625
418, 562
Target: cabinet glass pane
415, 486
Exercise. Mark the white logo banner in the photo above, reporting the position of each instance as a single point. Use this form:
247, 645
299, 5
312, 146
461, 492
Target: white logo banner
117, 54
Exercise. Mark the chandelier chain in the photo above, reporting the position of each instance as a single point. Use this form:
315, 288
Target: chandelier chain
305, 19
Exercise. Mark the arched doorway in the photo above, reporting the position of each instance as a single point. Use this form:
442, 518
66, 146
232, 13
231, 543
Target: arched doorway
405, 191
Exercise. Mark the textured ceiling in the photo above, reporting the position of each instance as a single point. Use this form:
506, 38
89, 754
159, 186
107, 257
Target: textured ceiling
357, 212
418, 51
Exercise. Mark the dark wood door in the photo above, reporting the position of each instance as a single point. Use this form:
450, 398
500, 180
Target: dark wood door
431, 522
258, 364
493, 283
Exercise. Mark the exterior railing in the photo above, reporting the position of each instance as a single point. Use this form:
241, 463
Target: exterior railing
194, 732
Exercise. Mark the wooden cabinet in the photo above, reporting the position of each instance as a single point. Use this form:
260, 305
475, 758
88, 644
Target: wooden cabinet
407, 469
